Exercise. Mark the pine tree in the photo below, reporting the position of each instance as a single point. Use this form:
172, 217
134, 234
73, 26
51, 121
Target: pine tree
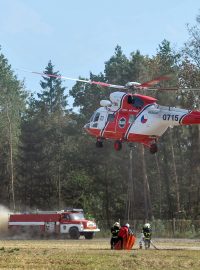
12, 106
52, 96
43, 143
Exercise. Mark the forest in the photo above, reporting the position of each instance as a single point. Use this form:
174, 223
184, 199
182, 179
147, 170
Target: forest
47, 162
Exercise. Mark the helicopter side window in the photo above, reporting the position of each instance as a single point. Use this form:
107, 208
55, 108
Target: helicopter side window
111, 117
130, 99
137, 102
101, 118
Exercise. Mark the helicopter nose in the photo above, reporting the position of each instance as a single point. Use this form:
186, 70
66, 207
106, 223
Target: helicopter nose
86, 126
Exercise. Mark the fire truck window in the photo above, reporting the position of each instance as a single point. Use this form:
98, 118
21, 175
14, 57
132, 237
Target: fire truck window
66, 217
137, 102
96, 118
76, 216
111, 117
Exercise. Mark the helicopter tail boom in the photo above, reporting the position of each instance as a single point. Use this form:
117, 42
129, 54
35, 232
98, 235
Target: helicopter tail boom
192, 118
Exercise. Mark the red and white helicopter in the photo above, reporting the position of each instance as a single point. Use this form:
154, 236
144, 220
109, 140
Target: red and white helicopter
132, 117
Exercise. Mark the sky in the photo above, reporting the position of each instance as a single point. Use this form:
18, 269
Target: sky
79, 36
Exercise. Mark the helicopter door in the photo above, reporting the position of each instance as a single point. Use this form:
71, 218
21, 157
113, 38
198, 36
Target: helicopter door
99, 120
95, 119
102, 120
122, 124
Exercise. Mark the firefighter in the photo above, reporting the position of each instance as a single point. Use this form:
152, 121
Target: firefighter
114, 231
146, 235
123, 235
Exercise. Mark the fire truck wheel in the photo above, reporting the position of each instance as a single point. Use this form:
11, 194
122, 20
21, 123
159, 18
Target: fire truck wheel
89, 235
74, 233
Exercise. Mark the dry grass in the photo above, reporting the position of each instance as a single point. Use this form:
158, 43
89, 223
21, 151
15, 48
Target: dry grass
94, 254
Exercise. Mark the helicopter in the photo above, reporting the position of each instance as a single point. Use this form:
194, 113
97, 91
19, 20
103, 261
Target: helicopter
131, 117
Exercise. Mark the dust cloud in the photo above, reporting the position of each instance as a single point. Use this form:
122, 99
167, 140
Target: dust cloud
4, 215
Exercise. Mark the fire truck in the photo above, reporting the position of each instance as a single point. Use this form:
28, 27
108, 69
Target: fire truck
69, 222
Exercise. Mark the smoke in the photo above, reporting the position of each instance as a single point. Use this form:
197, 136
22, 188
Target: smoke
4, 214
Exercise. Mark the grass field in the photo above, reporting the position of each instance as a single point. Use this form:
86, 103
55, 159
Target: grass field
96, 255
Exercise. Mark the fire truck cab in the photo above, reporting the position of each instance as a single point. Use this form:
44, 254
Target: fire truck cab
69, 222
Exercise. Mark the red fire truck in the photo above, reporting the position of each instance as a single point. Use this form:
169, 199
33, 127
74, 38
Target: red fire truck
69, 222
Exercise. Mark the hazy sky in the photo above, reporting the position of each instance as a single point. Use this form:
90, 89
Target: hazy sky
79, 36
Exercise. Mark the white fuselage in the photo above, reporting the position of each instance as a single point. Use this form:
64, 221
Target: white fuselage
155, 119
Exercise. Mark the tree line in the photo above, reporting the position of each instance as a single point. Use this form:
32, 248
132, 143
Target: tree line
48, 162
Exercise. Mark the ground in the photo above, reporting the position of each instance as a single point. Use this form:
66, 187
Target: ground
96, 255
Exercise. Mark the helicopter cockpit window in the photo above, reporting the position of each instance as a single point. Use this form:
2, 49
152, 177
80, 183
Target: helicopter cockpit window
111, 117
91, 118
137, 102
96, 117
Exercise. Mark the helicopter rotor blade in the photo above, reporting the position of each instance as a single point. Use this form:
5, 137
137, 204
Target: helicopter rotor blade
108, 85
103, 84
163, 89
150, 83
144, 86
59, 77
174, 89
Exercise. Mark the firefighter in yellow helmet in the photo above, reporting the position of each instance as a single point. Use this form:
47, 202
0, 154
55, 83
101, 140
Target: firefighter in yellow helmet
146, 235
114, 231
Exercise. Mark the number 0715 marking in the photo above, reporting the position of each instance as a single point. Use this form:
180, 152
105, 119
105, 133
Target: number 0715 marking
168, 117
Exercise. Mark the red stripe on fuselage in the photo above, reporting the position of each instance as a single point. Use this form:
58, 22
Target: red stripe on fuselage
95, 132
140, 138
191, 119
